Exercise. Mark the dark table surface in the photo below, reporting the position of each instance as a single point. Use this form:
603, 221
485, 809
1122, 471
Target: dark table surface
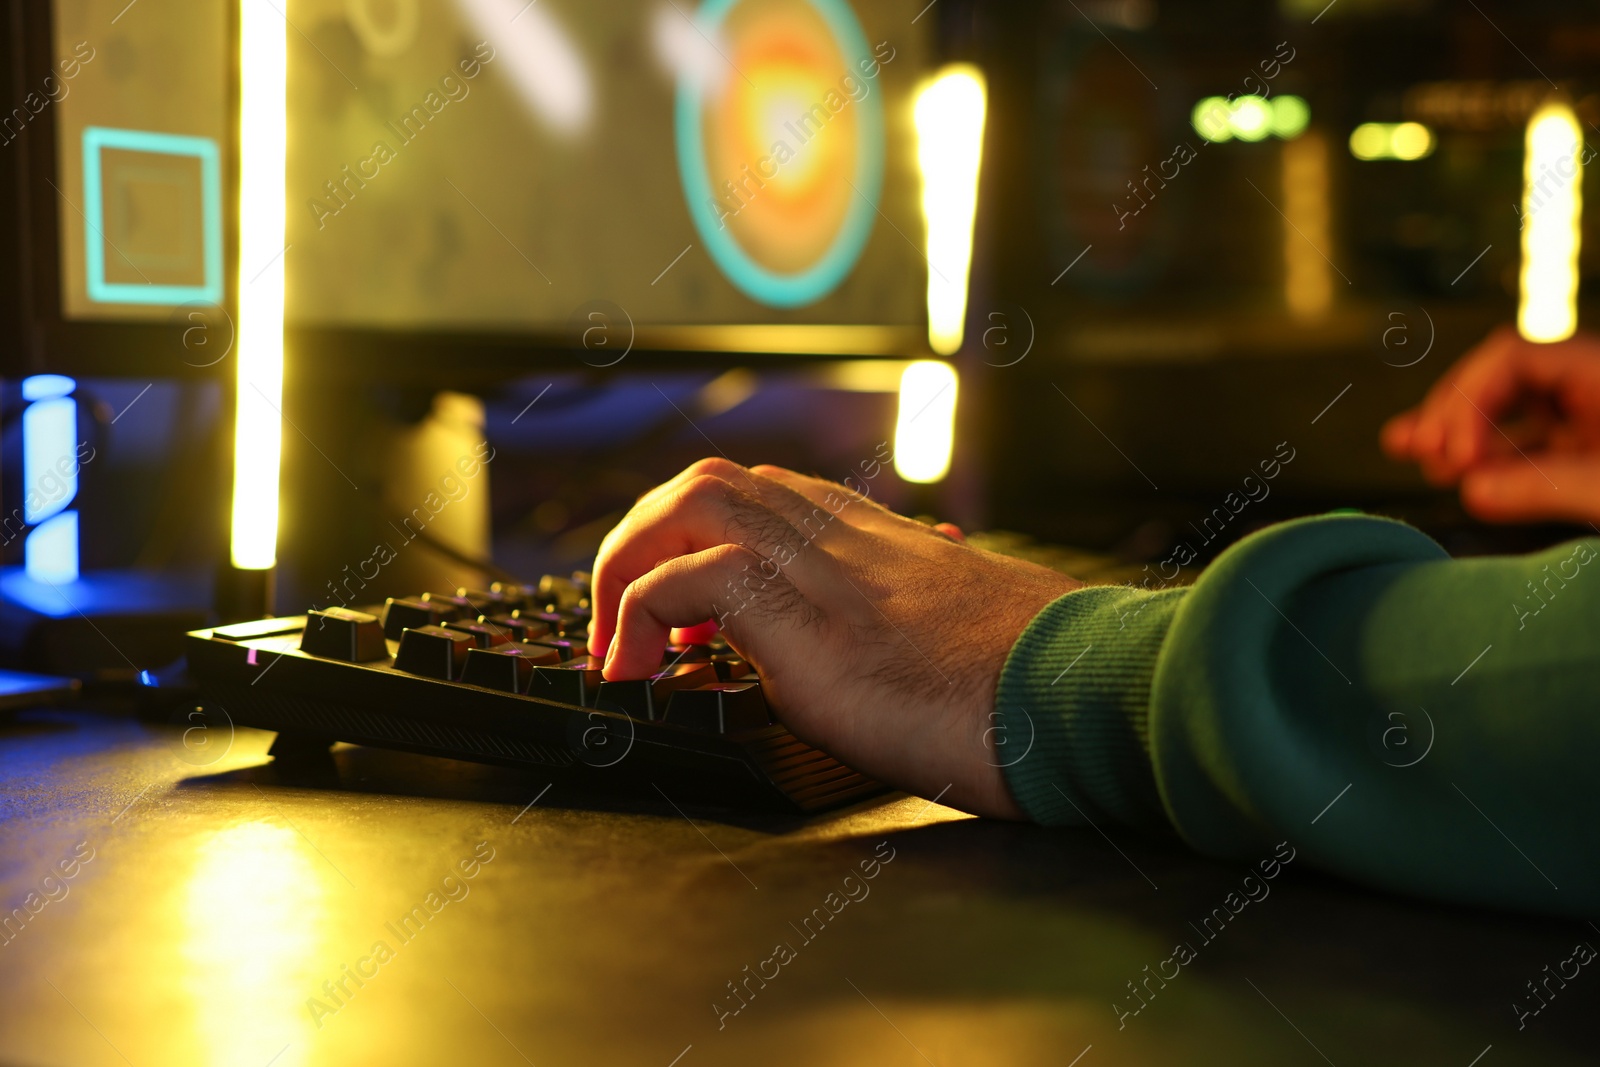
213, 894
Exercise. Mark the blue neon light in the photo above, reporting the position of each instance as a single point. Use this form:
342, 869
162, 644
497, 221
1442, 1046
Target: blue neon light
50, 478
821, 278
204, 149
49, 457
46, 386
50, 554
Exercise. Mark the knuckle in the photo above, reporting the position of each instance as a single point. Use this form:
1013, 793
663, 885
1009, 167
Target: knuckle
715, 466
637, 592
746, 520
707, 490
730, 559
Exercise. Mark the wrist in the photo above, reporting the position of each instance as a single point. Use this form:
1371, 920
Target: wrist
1072, 707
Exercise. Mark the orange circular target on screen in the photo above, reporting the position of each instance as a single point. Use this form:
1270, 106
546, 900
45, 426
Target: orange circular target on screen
782, 160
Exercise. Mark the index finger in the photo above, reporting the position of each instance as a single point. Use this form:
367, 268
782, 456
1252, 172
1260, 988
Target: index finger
1450, 422
683, 518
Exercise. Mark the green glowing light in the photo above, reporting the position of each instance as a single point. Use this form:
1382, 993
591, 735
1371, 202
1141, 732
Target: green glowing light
1210, 119
1290, 116
1252, 118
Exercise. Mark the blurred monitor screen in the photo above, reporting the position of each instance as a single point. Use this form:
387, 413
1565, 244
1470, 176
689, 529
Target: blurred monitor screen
506, 166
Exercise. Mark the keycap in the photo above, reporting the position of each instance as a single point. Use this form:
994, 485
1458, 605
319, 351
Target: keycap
519, 629
568, 648
432, 651
343, 634
730, 668
721, 708
574, 682
465, 609
571, 622
413, 613
485, 601
516, 594
561, 593
646, 698
553, 619
506, 667
484, 635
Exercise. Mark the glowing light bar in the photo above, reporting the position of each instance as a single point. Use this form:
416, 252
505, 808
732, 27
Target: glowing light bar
50, 554
949, 115
1308, 227
1250, 118
1552, 215
49, 462
50, 478
1391, 140
46, 386
925, 432
258, 427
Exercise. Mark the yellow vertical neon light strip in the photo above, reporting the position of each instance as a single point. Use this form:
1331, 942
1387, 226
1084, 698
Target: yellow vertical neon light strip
949, 115
925, 431
258, 430
1307, 211
1552, 213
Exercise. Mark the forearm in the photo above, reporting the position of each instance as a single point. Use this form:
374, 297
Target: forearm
1292, 693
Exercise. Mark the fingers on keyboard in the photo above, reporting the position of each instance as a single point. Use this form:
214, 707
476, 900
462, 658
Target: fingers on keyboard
530, 640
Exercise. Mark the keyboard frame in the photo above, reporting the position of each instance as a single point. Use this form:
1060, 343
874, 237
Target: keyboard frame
256, 675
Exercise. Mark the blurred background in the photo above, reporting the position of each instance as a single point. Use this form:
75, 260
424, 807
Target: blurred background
1080, 267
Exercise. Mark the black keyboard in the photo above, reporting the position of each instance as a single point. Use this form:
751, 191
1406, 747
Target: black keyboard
502, 675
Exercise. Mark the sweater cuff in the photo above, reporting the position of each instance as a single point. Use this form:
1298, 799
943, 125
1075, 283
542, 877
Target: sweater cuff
1073, 708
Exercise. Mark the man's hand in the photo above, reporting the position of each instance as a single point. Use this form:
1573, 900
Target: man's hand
1516, 425
877, 639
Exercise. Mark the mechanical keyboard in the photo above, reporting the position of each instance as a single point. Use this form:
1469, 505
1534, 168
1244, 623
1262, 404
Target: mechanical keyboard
502, 675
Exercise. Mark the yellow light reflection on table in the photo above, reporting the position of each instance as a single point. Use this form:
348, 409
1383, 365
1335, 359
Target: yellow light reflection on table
253, 921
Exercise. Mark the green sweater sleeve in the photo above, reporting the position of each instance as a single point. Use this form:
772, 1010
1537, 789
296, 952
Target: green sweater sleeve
1425, 725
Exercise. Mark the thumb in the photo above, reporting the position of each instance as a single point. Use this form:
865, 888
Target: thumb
1535, 489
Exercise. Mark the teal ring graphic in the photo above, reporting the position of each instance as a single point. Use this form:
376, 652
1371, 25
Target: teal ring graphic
812, 284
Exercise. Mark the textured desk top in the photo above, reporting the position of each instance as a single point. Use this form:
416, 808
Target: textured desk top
215, 910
